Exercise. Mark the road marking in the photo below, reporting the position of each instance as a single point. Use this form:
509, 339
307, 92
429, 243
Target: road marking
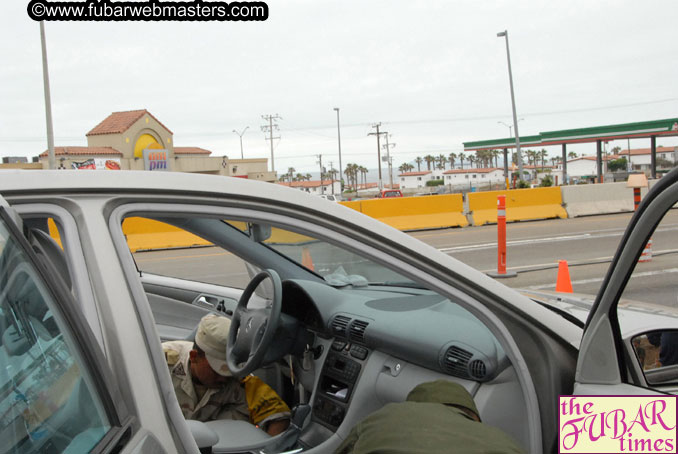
471, 247
600, 279
584, 236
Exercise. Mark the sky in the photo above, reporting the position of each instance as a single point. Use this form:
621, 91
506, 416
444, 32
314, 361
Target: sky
433, 73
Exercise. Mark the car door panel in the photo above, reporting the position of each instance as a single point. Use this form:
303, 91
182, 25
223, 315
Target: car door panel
178, 304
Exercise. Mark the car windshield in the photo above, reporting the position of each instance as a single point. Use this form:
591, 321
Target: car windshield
337, 265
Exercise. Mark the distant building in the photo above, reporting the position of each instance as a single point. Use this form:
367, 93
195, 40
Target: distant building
136, 140
15, 160
640, 157
315, 187
473, 177
583, 168
415, 180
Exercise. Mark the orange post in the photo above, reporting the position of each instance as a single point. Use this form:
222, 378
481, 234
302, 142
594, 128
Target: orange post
501, 239
501, 234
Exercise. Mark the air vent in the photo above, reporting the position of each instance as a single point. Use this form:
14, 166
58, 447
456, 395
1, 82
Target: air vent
357, 331
456, 361
339, 325
477, 369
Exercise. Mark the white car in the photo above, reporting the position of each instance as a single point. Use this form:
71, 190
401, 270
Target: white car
354, 314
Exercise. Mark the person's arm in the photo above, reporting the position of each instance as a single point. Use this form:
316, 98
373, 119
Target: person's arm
267, 409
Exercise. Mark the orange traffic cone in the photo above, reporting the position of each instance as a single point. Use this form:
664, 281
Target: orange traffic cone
563, 284
306, 259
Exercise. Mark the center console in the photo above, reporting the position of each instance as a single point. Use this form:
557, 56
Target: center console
337, 381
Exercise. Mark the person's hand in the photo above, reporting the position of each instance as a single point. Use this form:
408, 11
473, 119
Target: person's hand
277, 427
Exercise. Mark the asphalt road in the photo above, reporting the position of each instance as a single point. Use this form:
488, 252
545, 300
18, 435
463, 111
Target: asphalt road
534, 249
588, 244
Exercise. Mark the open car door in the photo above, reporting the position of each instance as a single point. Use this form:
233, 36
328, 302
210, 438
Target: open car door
57, 392
629, 342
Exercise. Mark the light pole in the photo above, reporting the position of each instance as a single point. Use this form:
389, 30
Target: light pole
519, 157
240, 134
51, 158
509, 126
341, 169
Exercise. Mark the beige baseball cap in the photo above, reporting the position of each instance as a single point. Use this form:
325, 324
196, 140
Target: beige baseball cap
211, 337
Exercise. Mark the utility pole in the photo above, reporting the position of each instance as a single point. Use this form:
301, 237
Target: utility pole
387, 146
320, 161
339, 142
51, 157
332, 177
240, 134
377, 126
269, 129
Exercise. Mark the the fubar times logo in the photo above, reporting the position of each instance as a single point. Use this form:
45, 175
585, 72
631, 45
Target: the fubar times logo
617, 424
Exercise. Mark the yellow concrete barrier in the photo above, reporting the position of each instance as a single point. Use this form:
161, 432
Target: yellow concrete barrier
416, 213
354, 204
142, 233
521, 205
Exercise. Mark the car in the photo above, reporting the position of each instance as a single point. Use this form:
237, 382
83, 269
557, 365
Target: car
97, 268
386, 193
330, 197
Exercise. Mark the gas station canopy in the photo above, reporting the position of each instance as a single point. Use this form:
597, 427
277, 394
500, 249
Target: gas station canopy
668, 127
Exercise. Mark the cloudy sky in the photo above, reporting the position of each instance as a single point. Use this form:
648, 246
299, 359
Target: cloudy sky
433, 73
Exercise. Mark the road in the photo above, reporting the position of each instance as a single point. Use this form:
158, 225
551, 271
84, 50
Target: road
587, 244
534, 249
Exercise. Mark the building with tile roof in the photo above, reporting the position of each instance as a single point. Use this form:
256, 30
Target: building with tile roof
137, 140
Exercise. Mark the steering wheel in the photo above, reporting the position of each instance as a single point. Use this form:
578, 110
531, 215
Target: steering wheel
252, 330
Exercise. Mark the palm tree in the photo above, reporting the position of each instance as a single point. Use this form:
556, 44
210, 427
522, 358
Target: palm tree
462, 156
418, 160
308, 177
429, 159
405, 167
495, 154
572, 155
363, 173
471, 160
290, 173
543, 154
442, 160
452, 157
300, 177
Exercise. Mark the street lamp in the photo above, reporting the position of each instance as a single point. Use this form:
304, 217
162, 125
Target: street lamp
240, 134
519, 157
341, 169
509, 126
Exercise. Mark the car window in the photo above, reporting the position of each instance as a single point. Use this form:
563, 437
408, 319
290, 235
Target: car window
166, 250
47, 401
648, 309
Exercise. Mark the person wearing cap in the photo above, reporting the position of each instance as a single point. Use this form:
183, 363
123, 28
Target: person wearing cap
207, 391
437, 417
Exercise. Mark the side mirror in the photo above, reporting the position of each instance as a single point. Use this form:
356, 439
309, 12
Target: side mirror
657, 353
260, 232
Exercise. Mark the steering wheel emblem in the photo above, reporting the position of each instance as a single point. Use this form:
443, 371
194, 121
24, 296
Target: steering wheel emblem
249, 325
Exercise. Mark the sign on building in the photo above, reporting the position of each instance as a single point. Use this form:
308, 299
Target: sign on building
155, 160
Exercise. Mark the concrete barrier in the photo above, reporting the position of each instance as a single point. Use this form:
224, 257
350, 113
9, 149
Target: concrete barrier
416, 213
521, 205
144, 234
591, 199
